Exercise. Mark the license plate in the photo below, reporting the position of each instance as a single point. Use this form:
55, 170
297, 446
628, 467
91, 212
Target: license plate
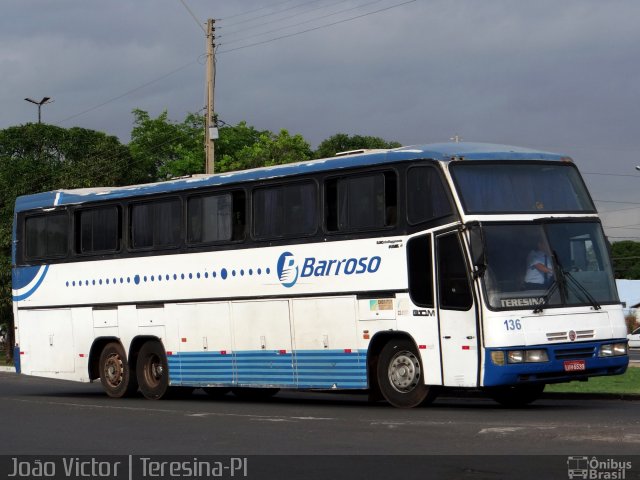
574, 365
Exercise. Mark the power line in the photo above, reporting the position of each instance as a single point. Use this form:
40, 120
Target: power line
305, 22
274, 13
256, 10
100, 105
193, 15
317, 28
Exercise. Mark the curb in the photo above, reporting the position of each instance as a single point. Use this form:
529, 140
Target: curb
8, 369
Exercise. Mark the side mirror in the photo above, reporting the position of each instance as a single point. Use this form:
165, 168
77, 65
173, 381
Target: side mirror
476, 245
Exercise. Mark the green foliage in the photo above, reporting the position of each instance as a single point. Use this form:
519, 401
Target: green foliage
626, 259
341, 142
36, 158
272, 149
163, 149
234, 139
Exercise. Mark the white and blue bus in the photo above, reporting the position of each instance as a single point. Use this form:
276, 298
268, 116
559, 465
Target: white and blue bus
400, 272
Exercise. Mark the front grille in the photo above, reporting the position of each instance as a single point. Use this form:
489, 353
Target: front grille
575, 353
562, 336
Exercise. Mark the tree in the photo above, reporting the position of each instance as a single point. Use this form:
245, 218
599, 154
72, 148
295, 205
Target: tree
38, 157
626, 259
272, 149
165, 149
341, 142
232, 140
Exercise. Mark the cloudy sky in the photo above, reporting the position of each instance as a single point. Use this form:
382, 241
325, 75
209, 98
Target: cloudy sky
556, 75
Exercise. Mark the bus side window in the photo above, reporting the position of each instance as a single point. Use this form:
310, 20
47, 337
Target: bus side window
46, 236
98, 230
361, 202
284, 211
420, 268
426, 196
156, 224
454, 291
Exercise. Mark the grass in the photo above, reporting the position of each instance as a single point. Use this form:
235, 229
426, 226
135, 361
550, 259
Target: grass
627, 384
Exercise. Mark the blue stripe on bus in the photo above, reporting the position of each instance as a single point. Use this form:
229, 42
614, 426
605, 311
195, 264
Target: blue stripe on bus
298, 369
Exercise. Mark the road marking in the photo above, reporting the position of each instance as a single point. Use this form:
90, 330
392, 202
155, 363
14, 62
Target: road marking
164, 410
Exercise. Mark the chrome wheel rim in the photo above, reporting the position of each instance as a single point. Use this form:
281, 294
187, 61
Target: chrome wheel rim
404, 372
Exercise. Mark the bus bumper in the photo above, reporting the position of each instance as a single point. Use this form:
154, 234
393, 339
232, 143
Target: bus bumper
567, 362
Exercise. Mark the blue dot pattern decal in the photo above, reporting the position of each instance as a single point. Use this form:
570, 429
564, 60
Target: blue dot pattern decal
222, 274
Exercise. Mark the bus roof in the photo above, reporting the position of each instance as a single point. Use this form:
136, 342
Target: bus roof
444, 152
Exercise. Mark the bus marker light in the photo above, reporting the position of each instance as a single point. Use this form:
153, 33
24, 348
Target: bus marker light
184, 340
422, 347
282, 352
347, 350
82, 355
169, 353
223, 352
466, 347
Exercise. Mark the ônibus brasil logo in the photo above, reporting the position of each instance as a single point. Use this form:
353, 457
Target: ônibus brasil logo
289, 271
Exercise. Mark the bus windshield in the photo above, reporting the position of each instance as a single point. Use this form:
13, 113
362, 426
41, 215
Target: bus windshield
520, 188
535, 266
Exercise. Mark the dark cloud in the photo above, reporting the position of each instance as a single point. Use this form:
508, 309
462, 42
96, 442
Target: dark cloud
561, 76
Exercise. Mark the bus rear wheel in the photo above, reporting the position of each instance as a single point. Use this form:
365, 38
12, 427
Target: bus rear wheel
516, 396
400, 375
152, 371
115, 372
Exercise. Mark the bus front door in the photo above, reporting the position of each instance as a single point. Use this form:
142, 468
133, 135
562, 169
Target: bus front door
457, 314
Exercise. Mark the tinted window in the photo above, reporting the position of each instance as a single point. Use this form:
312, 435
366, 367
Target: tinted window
209, 218
98, 230
426, 195
285, 210
420, 270
46, 235
453, 284
156, 224
521, 187
362, 202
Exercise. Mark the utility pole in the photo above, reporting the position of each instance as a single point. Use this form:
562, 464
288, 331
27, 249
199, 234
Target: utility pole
211, 132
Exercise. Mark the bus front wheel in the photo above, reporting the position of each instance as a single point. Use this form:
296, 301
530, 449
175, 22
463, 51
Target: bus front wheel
152, 371
115, 372
400, 375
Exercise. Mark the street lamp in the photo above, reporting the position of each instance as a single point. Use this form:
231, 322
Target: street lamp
44, 101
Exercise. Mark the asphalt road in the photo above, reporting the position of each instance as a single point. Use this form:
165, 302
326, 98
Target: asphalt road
43, 416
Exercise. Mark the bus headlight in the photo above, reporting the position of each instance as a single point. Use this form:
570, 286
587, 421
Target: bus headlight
536, 356
500, 357
515, 356
612, 350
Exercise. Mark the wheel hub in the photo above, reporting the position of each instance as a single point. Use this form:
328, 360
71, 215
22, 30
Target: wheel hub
404, 371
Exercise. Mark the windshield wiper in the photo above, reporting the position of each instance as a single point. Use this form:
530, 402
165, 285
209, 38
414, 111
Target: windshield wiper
558, 283
545, 299
594, 303
561, 282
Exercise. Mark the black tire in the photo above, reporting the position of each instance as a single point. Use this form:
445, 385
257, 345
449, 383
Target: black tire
516, 396
216, 392
400, 375
255, 394
115, 372
152, 371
